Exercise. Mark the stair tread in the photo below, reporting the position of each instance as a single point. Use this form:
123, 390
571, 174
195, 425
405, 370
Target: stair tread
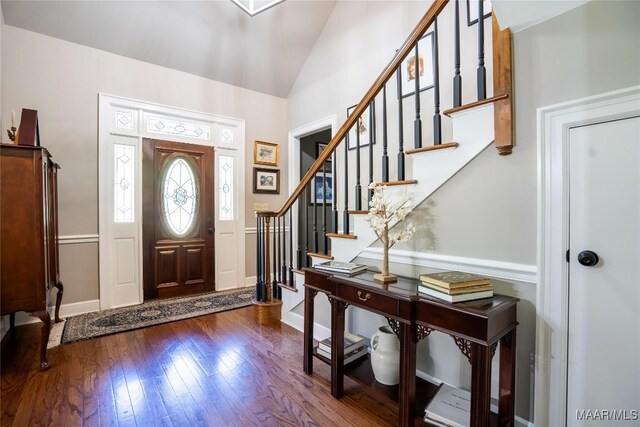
319, 255
341, 236
392, 183
358, 212
288, 287
454, 110
433, 148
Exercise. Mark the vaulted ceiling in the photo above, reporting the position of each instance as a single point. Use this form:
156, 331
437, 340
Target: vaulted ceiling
213, 39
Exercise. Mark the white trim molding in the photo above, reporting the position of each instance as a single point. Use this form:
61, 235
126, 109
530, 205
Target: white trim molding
483, 267
552, 299
66, 310
78, 239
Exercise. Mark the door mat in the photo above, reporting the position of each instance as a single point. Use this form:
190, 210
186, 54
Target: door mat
155, 312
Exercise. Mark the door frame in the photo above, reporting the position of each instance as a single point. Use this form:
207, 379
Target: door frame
137, 113
328, 122
552, 298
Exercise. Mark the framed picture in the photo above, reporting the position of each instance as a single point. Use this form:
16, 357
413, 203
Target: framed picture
361, 129
423, 65
266, 181
472, 11
320, 187
265, 153
320, 147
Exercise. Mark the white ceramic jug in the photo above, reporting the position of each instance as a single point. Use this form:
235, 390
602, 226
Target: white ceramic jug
385, 356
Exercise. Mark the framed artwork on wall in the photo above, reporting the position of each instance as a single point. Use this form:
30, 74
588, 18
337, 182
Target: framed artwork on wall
473, 8
423, 65
320, 147
266, 181
362, 127
265, 153
319, 187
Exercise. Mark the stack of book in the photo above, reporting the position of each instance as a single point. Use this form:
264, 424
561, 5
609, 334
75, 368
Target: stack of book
354, 348
450, 407
455, 286
349, 268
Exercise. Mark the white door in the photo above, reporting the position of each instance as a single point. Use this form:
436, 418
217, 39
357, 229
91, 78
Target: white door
603, 373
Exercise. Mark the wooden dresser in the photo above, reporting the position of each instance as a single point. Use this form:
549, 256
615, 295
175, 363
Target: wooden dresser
29, 265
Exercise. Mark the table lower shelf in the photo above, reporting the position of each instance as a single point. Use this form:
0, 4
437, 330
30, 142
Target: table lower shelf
361, 372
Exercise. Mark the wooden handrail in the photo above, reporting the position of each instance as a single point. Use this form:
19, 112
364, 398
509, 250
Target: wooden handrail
377, 86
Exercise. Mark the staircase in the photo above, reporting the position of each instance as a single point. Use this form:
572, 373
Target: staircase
337, 221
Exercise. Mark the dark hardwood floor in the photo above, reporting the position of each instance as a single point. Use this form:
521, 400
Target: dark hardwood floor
223, 369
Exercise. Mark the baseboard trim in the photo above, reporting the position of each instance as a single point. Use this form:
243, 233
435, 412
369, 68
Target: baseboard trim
80, 238
296, 321
484, 267
66, 310
251, 280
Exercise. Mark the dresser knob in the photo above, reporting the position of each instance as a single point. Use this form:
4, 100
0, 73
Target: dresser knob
363, 298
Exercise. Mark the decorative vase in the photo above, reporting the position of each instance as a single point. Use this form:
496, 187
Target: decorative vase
385, 277
385, 356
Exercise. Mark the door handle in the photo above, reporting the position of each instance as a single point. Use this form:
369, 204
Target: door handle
588, 258
211, 228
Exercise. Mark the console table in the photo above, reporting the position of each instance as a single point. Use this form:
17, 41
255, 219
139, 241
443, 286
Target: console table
475, 326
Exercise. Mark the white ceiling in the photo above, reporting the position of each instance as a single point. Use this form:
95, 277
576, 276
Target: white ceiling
213, 39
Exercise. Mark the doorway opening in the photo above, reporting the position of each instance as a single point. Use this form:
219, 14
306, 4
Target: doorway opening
315, 217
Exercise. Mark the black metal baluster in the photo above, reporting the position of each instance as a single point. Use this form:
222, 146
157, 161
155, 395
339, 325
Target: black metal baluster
437, 120
372, 140
334, 183
417, 124
358, 195
263, 290
325, 247
300, 232
314, 200
345, 214
385, 157
482, 73
305, 222
283, 250
258, 259
400, 130
457, 78
274, 281
291, 283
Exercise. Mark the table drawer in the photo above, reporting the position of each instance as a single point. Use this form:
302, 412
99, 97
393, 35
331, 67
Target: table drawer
368, 299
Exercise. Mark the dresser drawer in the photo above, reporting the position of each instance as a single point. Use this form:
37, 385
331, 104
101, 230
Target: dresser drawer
368, 299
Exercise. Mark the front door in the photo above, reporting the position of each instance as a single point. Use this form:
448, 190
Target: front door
603, 375
177, 218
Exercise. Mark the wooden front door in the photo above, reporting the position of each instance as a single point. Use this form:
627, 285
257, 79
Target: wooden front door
178, 222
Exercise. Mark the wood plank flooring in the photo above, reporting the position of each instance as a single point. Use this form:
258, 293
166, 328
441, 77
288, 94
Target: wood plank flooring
223, 369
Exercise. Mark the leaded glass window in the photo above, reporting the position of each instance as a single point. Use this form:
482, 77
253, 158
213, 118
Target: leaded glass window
124, 120
226, 136
225, 188
180, 196
123, 184
177, 127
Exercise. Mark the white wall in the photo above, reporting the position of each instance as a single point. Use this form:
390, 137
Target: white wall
62, 81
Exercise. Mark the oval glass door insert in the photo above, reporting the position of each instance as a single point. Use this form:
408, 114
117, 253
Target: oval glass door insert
180, 196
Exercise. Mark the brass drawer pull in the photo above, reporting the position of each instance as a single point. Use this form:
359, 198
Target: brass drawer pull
363, 298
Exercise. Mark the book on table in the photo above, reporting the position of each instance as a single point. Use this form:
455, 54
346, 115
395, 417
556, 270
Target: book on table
469, 296
351, 343
348, 357
341, 267
454, 279
450, 406
458, 291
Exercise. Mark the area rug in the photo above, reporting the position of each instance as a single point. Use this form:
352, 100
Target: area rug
99, 323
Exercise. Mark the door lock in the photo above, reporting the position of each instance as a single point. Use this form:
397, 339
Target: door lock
588, 258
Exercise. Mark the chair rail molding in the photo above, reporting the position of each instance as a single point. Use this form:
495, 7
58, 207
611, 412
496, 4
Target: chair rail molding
552, 299
78, 238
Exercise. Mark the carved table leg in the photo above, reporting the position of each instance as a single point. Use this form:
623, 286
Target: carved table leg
338, 309
309, 297
60, 287
46, 328
12, 326
480, 385
407, 403
507, 379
